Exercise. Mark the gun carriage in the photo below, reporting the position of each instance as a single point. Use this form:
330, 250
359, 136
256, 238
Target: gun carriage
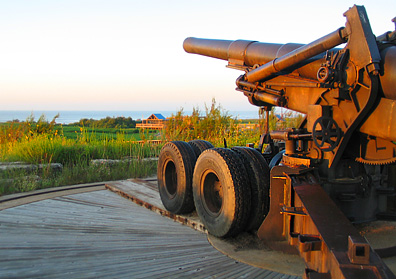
337, 168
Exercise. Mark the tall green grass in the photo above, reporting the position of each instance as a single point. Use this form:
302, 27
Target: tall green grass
73, 132
214, 125
45, 148
43, 143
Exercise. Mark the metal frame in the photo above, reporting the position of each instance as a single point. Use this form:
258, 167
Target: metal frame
302, 213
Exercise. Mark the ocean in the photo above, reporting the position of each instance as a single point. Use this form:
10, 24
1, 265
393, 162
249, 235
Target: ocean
69, 116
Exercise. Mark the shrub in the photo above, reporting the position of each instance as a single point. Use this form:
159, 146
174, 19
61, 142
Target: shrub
214, 126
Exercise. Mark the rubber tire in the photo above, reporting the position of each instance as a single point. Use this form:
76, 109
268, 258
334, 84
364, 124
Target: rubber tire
174, 173
259, 182
224, 217
276, 159
200, 146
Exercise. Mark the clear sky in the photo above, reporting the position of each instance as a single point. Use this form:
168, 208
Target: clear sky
128, 55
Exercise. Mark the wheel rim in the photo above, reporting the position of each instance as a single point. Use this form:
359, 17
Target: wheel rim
170, 178
212, 193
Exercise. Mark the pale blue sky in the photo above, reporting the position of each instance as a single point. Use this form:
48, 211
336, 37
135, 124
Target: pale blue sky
128, 55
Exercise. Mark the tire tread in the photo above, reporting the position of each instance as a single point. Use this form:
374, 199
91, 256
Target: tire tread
186, 158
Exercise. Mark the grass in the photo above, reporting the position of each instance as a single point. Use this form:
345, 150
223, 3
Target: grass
214, 125
21, 142
46, 149
22, 181
44, 142
74, 132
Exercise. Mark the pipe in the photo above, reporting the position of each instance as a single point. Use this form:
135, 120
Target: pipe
296, 56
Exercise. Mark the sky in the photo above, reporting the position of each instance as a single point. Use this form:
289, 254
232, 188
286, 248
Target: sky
128, 55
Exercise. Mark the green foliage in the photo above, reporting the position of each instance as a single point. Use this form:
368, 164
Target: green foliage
82, 172
43, 142
292, 119
14, 131
41, 126
108, 122
45, 149
214, 126
11, 132
75, 132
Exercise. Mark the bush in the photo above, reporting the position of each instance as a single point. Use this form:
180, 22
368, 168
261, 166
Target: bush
215, 126
108, 122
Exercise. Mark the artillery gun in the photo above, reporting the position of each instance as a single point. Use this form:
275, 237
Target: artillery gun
337, 168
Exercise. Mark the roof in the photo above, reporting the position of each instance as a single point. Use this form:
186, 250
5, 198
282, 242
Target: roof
157, 116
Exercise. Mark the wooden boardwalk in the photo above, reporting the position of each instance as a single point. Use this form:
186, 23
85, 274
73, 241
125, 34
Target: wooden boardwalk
99, 234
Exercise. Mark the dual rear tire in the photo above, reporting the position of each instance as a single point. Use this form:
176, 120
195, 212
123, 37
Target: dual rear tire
175, 171
228, 188
221, 192
259, 181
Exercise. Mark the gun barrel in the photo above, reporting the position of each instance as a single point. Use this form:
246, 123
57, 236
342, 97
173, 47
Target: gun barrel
207, 47
303, 59
244, 53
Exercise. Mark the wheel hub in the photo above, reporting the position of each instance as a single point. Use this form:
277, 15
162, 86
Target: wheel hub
170, 179
212, 193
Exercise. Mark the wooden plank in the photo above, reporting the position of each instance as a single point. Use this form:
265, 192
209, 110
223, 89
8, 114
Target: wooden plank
138, 191
9, 201
102, 235
145, 193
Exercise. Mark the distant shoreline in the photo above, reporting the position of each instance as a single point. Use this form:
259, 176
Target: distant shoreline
67, 116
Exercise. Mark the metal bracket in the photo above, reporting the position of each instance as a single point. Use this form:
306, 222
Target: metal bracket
322, 234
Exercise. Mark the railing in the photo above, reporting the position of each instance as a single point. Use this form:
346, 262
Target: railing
150, 126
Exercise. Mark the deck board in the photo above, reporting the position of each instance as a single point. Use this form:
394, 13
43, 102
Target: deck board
102, 235
145, 193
